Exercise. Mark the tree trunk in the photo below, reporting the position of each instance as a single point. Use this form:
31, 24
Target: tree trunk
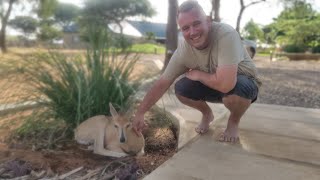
239, 19
171, 32
215, 11
122, 38
4, 22
3, 39
242, 8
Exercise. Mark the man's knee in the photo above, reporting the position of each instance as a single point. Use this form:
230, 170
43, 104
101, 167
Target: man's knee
229, 100
245, 88
234, 101
179, 97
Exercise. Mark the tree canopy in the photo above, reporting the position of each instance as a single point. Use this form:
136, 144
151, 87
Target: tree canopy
114, 11
297, 25
103, 12
44, 9
26, 24
66, 13
253, 31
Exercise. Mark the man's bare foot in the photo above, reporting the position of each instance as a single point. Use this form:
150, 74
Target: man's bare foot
230, 135
205, 124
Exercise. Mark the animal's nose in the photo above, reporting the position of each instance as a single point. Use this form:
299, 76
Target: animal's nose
122, 139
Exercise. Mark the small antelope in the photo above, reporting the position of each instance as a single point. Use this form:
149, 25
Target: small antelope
110, 136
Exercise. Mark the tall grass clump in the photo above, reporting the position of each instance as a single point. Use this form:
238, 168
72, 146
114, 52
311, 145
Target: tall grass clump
73, 89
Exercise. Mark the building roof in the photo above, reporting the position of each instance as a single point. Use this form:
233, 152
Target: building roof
131, 28
127, 29
158, 29
73, 28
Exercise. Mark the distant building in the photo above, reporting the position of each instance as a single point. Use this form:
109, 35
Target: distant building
158, 29
71, 37
134, 29
140, 29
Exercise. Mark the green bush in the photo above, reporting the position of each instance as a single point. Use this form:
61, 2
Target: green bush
74, 89
292, 48
121, 42
316, 49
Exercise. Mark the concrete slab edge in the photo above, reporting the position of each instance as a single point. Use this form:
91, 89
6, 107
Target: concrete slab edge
181, 145
15, 107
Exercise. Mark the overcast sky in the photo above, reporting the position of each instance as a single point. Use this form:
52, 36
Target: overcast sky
262, 13
229, 9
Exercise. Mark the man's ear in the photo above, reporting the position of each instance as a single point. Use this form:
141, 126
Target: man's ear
113, 111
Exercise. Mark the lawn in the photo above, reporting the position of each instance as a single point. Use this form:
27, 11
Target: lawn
148, 48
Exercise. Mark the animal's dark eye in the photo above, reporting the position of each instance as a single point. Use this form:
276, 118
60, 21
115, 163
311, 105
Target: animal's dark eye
116, 126
128, 125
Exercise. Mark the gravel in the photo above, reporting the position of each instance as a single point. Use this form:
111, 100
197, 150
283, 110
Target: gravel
289, 83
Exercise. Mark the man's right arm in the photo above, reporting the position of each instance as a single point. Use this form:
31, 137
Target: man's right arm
152, 96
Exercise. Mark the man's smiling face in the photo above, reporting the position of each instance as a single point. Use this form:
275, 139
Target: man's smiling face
195, 27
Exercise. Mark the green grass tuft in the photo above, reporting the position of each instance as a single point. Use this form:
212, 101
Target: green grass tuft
74, 89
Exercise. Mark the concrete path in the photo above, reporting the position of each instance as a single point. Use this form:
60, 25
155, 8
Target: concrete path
186, 118
276, 142
15, 107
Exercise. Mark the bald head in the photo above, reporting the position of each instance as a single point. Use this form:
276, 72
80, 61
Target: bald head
194, 24
190, 5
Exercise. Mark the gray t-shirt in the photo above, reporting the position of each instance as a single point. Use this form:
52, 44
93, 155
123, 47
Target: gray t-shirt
225, 48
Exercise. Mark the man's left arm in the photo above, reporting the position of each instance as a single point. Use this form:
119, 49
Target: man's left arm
223, 80
230, 53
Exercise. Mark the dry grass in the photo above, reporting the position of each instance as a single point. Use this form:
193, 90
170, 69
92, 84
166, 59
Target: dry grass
10, 122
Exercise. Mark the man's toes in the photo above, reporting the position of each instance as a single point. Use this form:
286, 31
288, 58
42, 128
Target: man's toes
225, 138
228, 139
234, 139
201, 130
204, 131
222, 137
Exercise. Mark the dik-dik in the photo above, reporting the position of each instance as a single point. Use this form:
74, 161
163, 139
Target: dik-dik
110, 136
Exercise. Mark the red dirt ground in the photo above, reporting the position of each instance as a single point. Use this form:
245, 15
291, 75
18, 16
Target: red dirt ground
160, 146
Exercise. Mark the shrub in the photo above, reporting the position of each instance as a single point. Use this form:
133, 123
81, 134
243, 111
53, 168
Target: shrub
316, 49
122, 42
74, 89
293, 48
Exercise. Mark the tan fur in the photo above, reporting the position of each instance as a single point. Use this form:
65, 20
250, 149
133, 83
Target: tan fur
110, 136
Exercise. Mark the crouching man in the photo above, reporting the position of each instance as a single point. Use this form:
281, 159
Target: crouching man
216, 66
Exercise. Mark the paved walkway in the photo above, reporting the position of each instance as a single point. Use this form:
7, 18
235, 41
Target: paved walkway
277, 142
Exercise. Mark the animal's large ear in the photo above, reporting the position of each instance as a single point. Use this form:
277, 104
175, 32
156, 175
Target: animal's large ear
113, 111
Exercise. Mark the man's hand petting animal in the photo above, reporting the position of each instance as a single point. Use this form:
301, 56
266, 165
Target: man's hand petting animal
138, 124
